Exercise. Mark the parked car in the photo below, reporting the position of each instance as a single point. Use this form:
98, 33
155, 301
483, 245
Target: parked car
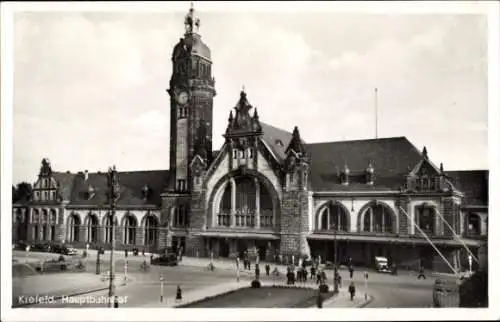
165, 260
41, 247
69, 250
382, 264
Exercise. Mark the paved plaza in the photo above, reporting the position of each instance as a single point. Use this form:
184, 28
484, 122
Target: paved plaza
143, 289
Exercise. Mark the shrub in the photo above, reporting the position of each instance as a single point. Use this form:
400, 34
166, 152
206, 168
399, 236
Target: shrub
323, 288
61, 258
255, 284
63, 267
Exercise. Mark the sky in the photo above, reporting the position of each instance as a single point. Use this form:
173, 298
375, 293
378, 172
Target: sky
89, 87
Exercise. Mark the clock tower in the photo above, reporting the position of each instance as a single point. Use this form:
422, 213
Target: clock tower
191, 101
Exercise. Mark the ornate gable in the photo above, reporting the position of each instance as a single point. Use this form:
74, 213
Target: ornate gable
425, 176
242, 124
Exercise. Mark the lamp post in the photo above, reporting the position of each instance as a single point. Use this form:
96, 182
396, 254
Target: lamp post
114, 194
335, 268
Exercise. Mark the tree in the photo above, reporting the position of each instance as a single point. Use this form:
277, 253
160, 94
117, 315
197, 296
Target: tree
14, 194
23, 192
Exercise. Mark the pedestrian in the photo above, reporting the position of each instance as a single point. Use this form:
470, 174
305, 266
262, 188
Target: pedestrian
421, 273
351, 271
339, 280
268, 268
318, 277
116, 302
126, 252
313, 272
257, 271
352, 290
319, 300
323, 276
178, 296
181, 250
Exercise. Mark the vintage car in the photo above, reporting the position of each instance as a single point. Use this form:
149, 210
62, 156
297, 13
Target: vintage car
165, 260
382, 264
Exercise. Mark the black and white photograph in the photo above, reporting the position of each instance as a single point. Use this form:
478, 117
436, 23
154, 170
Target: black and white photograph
334, 157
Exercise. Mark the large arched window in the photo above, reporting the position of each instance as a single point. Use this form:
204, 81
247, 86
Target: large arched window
92, 226
130, 227
245, 202
150, 230
74, 224
377, 218
426, 218
333, 217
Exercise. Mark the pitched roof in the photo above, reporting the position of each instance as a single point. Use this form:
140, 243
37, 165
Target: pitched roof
65, 181
473, 183
390, 157
277, 139
75, 188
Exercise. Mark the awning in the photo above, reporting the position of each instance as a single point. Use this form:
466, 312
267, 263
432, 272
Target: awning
237, 234
394, 240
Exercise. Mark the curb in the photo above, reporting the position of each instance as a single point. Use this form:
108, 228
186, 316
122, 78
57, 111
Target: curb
362, 305
58, 297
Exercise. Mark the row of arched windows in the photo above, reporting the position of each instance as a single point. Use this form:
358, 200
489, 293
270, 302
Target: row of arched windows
129, 228
375, 218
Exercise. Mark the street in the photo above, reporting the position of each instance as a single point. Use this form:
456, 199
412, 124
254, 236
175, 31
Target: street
401, 291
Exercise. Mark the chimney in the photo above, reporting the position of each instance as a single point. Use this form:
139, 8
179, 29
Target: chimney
86, 175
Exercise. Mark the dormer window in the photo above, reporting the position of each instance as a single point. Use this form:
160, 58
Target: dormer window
279, 143
90, 193
344, 176
146, 192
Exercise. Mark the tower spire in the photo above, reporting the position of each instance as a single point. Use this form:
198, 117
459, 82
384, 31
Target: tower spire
190, 22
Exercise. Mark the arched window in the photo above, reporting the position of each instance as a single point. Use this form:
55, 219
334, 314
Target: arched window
333, 217
130, 227
377, 218
92, 226
108, 229
150, 230
45, 224
74, 224
426, 219
53, 223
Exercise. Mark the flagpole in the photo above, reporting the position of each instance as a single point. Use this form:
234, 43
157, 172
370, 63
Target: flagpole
376, 113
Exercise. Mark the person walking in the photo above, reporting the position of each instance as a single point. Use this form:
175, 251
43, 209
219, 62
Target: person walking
421, 273
268, 269
352, 290
257, 271
313, 272
178, 295
319, 300
351, 271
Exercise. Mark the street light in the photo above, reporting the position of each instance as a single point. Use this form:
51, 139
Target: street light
114, 194
335, 270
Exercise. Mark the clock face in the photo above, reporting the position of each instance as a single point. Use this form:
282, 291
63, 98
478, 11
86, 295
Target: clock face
182, 98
